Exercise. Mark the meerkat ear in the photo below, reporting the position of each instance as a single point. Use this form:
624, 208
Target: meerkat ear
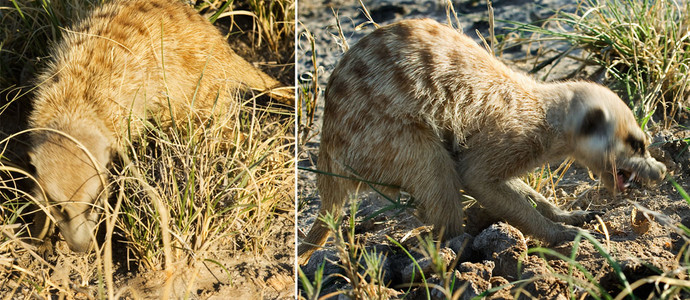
592, 121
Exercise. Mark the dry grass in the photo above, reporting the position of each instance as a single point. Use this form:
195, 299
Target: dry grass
273, 22
179, 195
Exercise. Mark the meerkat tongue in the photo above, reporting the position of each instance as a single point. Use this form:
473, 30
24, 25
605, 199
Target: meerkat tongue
620, 182
624, 179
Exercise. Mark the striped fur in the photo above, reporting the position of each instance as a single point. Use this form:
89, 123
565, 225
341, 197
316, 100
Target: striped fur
420, 106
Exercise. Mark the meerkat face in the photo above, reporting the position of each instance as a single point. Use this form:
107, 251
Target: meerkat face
69, 185
609, 141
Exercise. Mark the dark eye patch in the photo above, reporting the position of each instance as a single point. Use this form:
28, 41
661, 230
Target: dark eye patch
636, 144
593, 121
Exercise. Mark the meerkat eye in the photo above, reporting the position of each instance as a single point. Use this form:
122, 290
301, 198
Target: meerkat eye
636, 144
593, 121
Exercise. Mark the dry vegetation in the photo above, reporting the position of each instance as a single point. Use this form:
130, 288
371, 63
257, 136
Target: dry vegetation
642, 48
184, 200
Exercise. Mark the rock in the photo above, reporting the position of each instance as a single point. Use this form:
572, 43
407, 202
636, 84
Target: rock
497, 238
412, 272
507, 263
497, 281
544, 284
474, 277
462, 246
635, 269
504, 292
329, 257
440, 288
469, 283
503, 244
483, 270
377, 292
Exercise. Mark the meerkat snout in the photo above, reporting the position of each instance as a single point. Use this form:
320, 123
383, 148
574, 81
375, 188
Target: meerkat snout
610, 142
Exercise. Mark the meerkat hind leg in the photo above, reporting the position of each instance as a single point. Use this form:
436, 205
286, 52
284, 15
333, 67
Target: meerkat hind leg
434, 184
439, 201
334, 193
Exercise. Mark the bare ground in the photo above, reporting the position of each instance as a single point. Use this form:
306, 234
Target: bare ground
241, 275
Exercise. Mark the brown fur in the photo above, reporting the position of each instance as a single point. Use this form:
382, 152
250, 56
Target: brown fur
128, 61
420, 106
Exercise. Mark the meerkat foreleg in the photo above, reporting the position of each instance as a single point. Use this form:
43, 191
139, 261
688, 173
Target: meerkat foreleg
521, 206
551, 211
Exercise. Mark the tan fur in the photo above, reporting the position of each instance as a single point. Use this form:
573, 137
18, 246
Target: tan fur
420, 106
128, 61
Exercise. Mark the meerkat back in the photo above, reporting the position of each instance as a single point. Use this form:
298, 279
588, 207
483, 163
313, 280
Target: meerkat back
127, 62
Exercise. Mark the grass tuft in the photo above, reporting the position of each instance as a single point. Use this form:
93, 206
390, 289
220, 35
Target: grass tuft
643, 46
273, 21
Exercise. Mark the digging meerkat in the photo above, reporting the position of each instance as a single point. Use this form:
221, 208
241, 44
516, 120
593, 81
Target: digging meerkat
420, 106
127, 61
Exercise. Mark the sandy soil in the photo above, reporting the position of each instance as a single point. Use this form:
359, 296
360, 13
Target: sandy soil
267, 275
640, 224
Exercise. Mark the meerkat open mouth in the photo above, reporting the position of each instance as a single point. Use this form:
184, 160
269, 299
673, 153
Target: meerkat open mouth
624, 179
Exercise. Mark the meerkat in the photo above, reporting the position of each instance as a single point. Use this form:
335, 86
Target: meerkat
422, 107
127, 61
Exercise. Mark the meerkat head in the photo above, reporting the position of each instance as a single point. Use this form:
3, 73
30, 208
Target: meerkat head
607, 139
69, 182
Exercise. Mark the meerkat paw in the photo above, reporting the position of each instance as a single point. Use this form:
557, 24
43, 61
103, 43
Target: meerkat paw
570, 233
579, 217
566, 234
